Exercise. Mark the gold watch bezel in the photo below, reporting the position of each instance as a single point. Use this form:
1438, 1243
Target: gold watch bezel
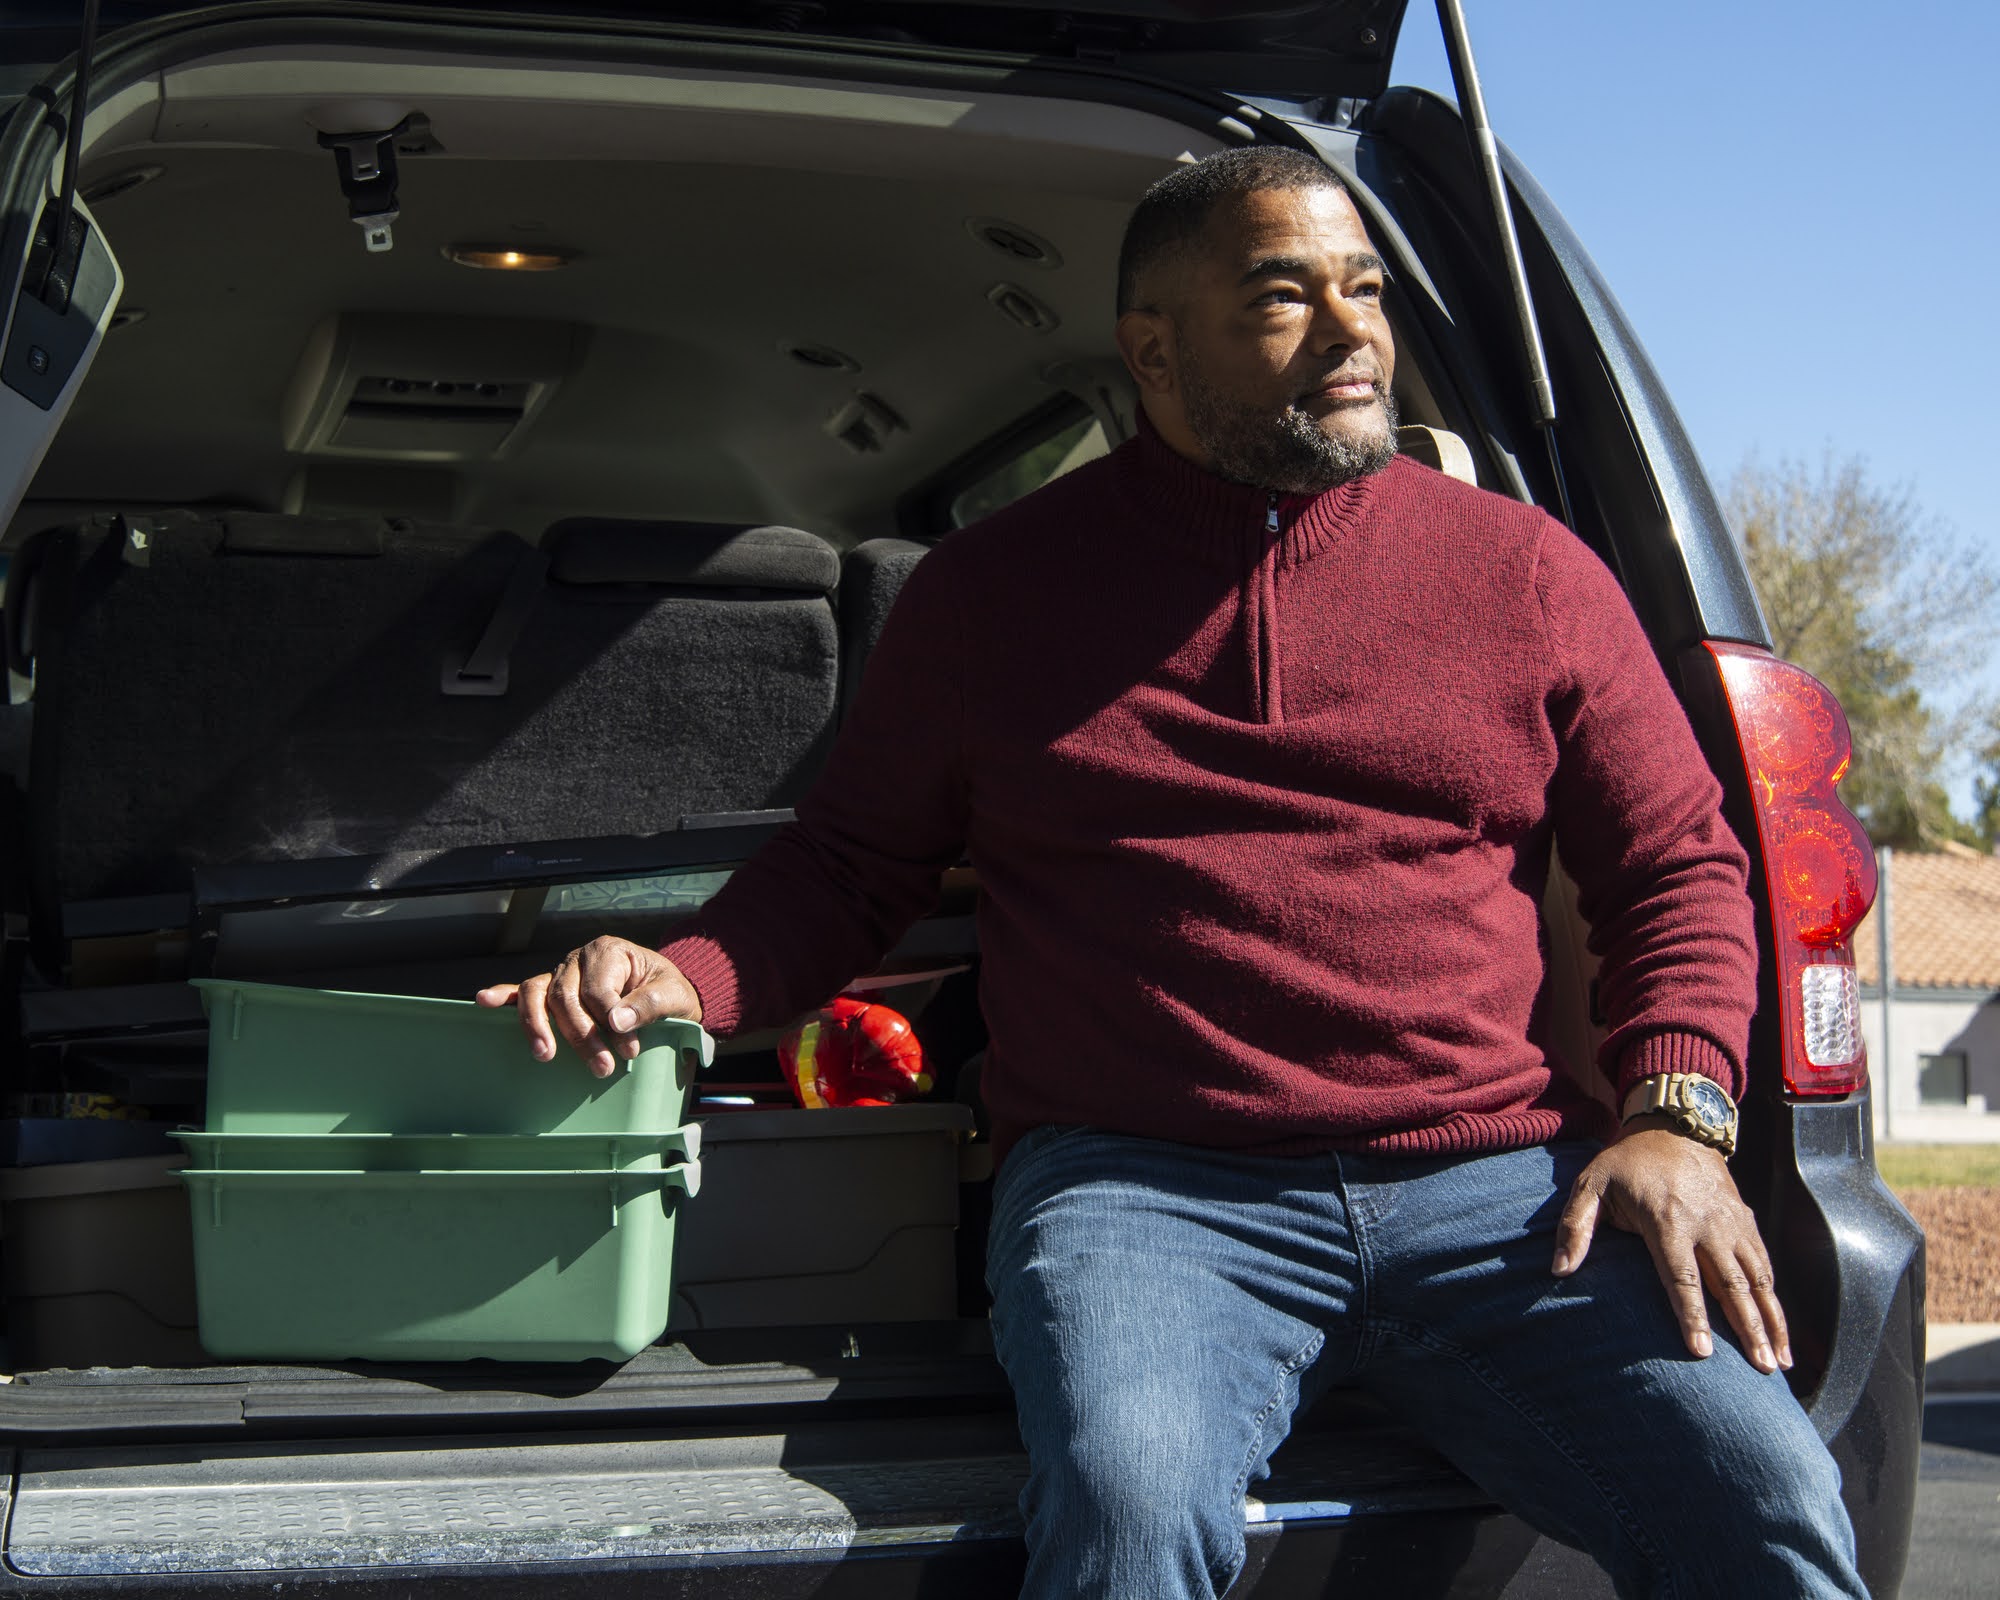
1670, 1094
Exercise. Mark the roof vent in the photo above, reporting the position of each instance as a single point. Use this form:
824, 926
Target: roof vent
822, 357
1017, 305
1013, 241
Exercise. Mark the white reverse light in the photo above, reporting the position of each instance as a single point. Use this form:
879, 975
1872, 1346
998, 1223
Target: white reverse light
1831, 1011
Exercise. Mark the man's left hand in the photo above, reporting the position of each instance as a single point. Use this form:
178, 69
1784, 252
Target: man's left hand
1678, 1196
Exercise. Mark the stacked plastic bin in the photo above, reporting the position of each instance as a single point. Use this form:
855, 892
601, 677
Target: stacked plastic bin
400, 1179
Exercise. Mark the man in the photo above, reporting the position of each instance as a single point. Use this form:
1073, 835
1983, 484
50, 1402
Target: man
1259, 738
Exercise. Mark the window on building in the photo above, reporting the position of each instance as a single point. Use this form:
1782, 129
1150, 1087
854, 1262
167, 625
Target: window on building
1941, 1079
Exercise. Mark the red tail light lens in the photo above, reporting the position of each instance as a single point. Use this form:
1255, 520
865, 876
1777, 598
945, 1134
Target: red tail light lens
1818, 862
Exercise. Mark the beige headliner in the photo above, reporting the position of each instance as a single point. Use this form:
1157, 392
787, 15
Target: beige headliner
715, 217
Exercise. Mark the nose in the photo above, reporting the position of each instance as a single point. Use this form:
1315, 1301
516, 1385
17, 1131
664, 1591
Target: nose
1339, 324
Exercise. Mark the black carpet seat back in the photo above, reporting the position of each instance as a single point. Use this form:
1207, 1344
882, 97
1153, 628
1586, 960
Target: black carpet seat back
721, 691
233, 688
870, 579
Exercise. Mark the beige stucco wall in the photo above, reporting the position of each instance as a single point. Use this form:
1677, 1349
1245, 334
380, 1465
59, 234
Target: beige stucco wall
1922, 1025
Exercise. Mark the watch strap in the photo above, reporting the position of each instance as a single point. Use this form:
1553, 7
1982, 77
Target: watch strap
1648, 1094
1665, 1093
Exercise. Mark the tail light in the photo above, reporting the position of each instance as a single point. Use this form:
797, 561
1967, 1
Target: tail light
1818, 861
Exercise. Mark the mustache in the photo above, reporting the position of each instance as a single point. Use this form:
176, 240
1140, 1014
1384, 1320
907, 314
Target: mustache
1370, 375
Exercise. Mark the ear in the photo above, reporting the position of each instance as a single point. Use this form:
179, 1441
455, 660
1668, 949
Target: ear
1147, 340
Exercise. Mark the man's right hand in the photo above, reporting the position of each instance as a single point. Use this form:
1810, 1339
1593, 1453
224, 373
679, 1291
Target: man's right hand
597, 999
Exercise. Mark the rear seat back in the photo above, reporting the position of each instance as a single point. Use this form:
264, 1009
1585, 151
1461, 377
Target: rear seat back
697, 663
870, 579
218, 689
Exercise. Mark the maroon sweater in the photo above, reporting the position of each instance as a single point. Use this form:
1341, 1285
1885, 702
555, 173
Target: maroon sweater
1261, 792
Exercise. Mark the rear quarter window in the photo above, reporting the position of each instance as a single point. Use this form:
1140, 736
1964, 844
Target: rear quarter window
1042, 462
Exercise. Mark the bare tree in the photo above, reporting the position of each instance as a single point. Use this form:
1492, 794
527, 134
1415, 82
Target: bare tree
1891, 610
1986, 786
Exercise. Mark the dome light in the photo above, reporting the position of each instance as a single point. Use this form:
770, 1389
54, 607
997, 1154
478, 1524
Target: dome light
505, 258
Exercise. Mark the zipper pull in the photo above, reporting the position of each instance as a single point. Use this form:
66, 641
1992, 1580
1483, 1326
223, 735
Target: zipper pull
1271, 515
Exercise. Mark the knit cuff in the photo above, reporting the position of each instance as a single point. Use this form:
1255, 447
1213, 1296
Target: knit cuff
712, 974
1677, 1052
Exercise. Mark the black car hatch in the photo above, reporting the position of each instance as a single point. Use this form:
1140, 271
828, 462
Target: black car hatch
1294, 49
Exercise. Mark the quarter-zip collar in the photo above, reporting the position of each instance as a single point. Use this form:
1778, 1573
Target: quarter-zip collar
1234, 524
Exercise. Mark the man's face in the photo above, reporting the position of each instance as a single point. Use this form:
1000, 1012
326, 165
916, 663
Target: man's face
1278, 357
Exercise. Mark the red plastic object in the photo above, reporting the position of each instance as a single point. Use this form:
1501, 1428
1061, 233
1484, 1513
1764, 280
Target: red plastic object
853, 1053
1818, 863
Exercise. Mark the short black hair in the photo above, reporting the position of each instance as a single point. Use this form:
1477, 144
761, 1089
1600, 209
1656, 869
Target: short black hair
1174, 210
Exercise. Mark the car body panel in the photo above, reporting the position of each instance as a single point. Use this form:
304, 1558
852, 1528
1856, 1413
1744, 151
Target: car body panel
1304, 48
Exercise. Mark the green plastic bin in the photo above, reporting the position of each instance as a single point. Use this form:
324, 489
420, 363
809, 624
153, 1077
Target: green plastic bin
421, 1152
440, 1265
285, 1060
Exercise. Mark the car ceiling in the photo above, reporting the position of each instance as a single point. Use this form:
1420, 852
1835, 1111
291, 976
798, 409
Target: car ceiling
689, 276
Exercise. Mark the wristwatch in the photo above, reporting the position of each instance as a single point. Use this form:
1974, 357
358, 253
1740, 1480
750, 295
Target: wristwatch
1696, 1106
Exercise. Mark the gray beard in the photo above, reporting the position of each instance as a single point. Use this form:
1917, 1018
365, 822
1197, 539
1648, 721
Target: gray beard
1286, 451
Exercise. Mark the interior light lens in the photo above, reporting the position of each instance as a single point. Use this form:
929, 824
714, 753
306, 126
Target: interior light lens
505, 258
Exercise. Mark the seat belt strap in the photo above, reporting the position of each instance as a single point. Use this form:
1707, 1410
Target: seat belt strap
484, 672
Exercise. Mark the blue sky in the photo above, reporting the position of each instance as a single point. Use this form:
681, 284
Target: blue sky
1798, 205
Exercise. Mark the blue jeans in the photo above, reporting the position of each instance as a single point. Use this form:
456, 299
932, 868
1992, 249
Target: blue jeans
1162, 1311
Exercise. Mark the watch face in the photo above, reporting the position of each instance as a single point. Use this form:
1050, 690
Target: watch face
1709, 1103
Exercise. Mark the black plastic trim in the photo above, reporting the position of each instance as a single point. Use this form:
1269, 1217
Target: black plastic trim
145, 913
705, 1378
1878, 1449
1880, 1254
272, 883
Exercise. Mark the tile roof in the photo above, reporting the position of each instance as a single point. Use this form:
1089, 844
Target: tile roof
1946, 928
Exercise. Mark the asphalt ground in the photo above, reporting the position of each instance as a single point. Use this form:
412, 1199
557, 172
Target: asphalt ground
1955, 1543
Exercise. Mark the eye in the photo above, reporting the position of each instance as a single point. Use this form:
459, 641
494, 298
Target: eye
1274, 296
1365, 291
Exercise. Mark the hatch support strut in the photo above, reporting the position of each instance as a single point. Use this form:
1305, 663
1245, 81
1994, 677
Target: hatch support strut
1486, 154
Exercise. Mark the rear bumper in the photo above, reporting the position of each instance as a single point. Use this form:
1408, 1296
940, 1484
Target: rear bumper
1857, 1258
924, 1503
1414, 1554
